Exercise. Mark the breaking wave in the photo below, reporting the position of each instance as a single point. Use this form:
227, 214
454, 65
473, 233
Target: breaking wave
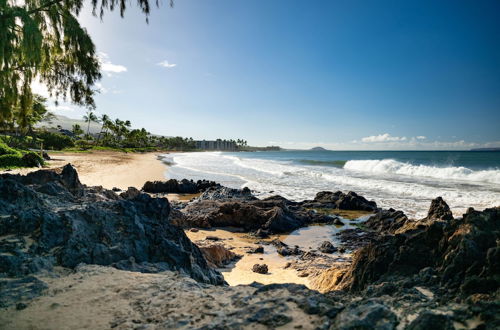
391, 166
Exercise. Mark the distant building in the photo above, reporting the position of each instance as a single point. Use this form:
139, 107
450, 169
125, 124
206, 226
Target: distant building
219, 145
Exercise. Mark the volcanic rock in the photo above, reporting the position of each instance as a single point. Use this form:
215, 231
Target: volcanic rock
461, 253
273, 215
327, 247
439, 210
340, 200
174, 186
260, 268
50, 219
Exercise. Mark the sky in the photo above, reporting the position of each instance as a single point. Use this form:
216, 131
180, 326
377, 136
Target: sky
347, 74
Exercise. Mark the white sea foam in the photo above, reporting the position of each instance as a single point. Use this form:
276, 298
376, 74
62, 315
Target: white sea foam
390, 183
392, 166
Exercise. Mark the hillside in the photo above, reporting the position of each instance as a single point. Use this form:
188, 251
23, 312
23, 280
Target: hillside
67, 123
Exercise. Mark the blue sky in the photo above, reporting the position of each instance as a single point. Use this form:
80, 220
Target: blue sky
340, 74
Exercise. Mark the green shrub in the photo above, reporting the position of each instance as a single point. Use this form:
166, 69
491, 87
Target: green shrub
6, 150
10, 157
84, 144
55, 141
11, 161
32, 159
21, 142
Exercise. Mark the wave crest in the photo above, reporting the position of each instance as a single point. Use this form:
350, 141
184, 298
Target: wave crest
391, 166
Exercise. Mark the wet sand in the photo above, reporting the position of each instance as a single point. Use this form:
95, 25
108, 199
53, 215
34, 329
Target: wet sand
241, 271
304, 271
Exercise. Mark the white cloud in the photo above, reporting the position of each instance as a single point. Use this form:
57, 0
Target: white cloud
421, 137
386, 137
167, 65
109, 68
407, 144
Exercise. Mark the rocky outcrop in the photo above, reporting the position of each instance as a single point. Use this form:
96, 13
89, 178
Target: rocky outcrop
461, 255
220, 193
340, 200
271, 215
386, 221
174, 186
217, 255
439, 210
48, 218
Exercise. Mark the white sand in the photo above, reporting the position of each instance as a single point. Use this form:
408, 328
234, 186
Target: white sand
109, 168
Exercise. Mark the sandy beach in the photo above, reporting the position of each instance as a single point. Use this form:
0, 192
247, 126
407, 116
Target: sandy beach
109, 168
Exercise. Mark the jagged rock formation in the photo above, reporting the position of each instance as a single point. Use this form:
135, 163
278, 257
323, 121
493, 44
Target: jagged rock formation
220, 193
174, 186
386, 221
461, 256
439, 272
50, 219
340, 200
271, 215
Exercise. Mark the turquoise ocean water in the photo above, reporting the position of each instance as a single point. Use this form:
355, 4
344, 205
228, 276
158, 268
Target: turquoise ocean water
406, 180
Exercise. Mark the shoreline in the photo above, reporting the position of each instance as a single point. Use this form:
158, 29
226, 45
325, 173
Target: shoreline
108, 169
102, 260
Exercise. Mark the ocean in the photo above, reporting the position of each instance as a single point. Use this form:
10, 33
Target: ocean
403, 180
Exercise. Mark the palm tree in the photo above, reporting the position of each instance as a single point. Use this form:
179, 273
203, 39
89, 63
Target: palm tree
88, 118
77, 130
104, 120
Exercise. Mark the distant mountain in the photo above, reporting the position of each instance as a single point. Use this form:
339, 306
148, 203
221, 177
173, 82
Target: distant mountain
318, 149
67, 123
486, 149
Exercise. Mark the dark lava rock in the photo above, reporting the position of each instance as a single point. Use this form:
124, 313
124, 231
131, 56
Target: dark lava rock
272, 215
327, 247
89, 225
224, 193
20, 289
430, 321
355, 238
340, 200
261, 269
463, 254
386, 221
366, 315
131, 193
268, 317
439, 210
174, 186
284, 249
258, 249
391, 221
